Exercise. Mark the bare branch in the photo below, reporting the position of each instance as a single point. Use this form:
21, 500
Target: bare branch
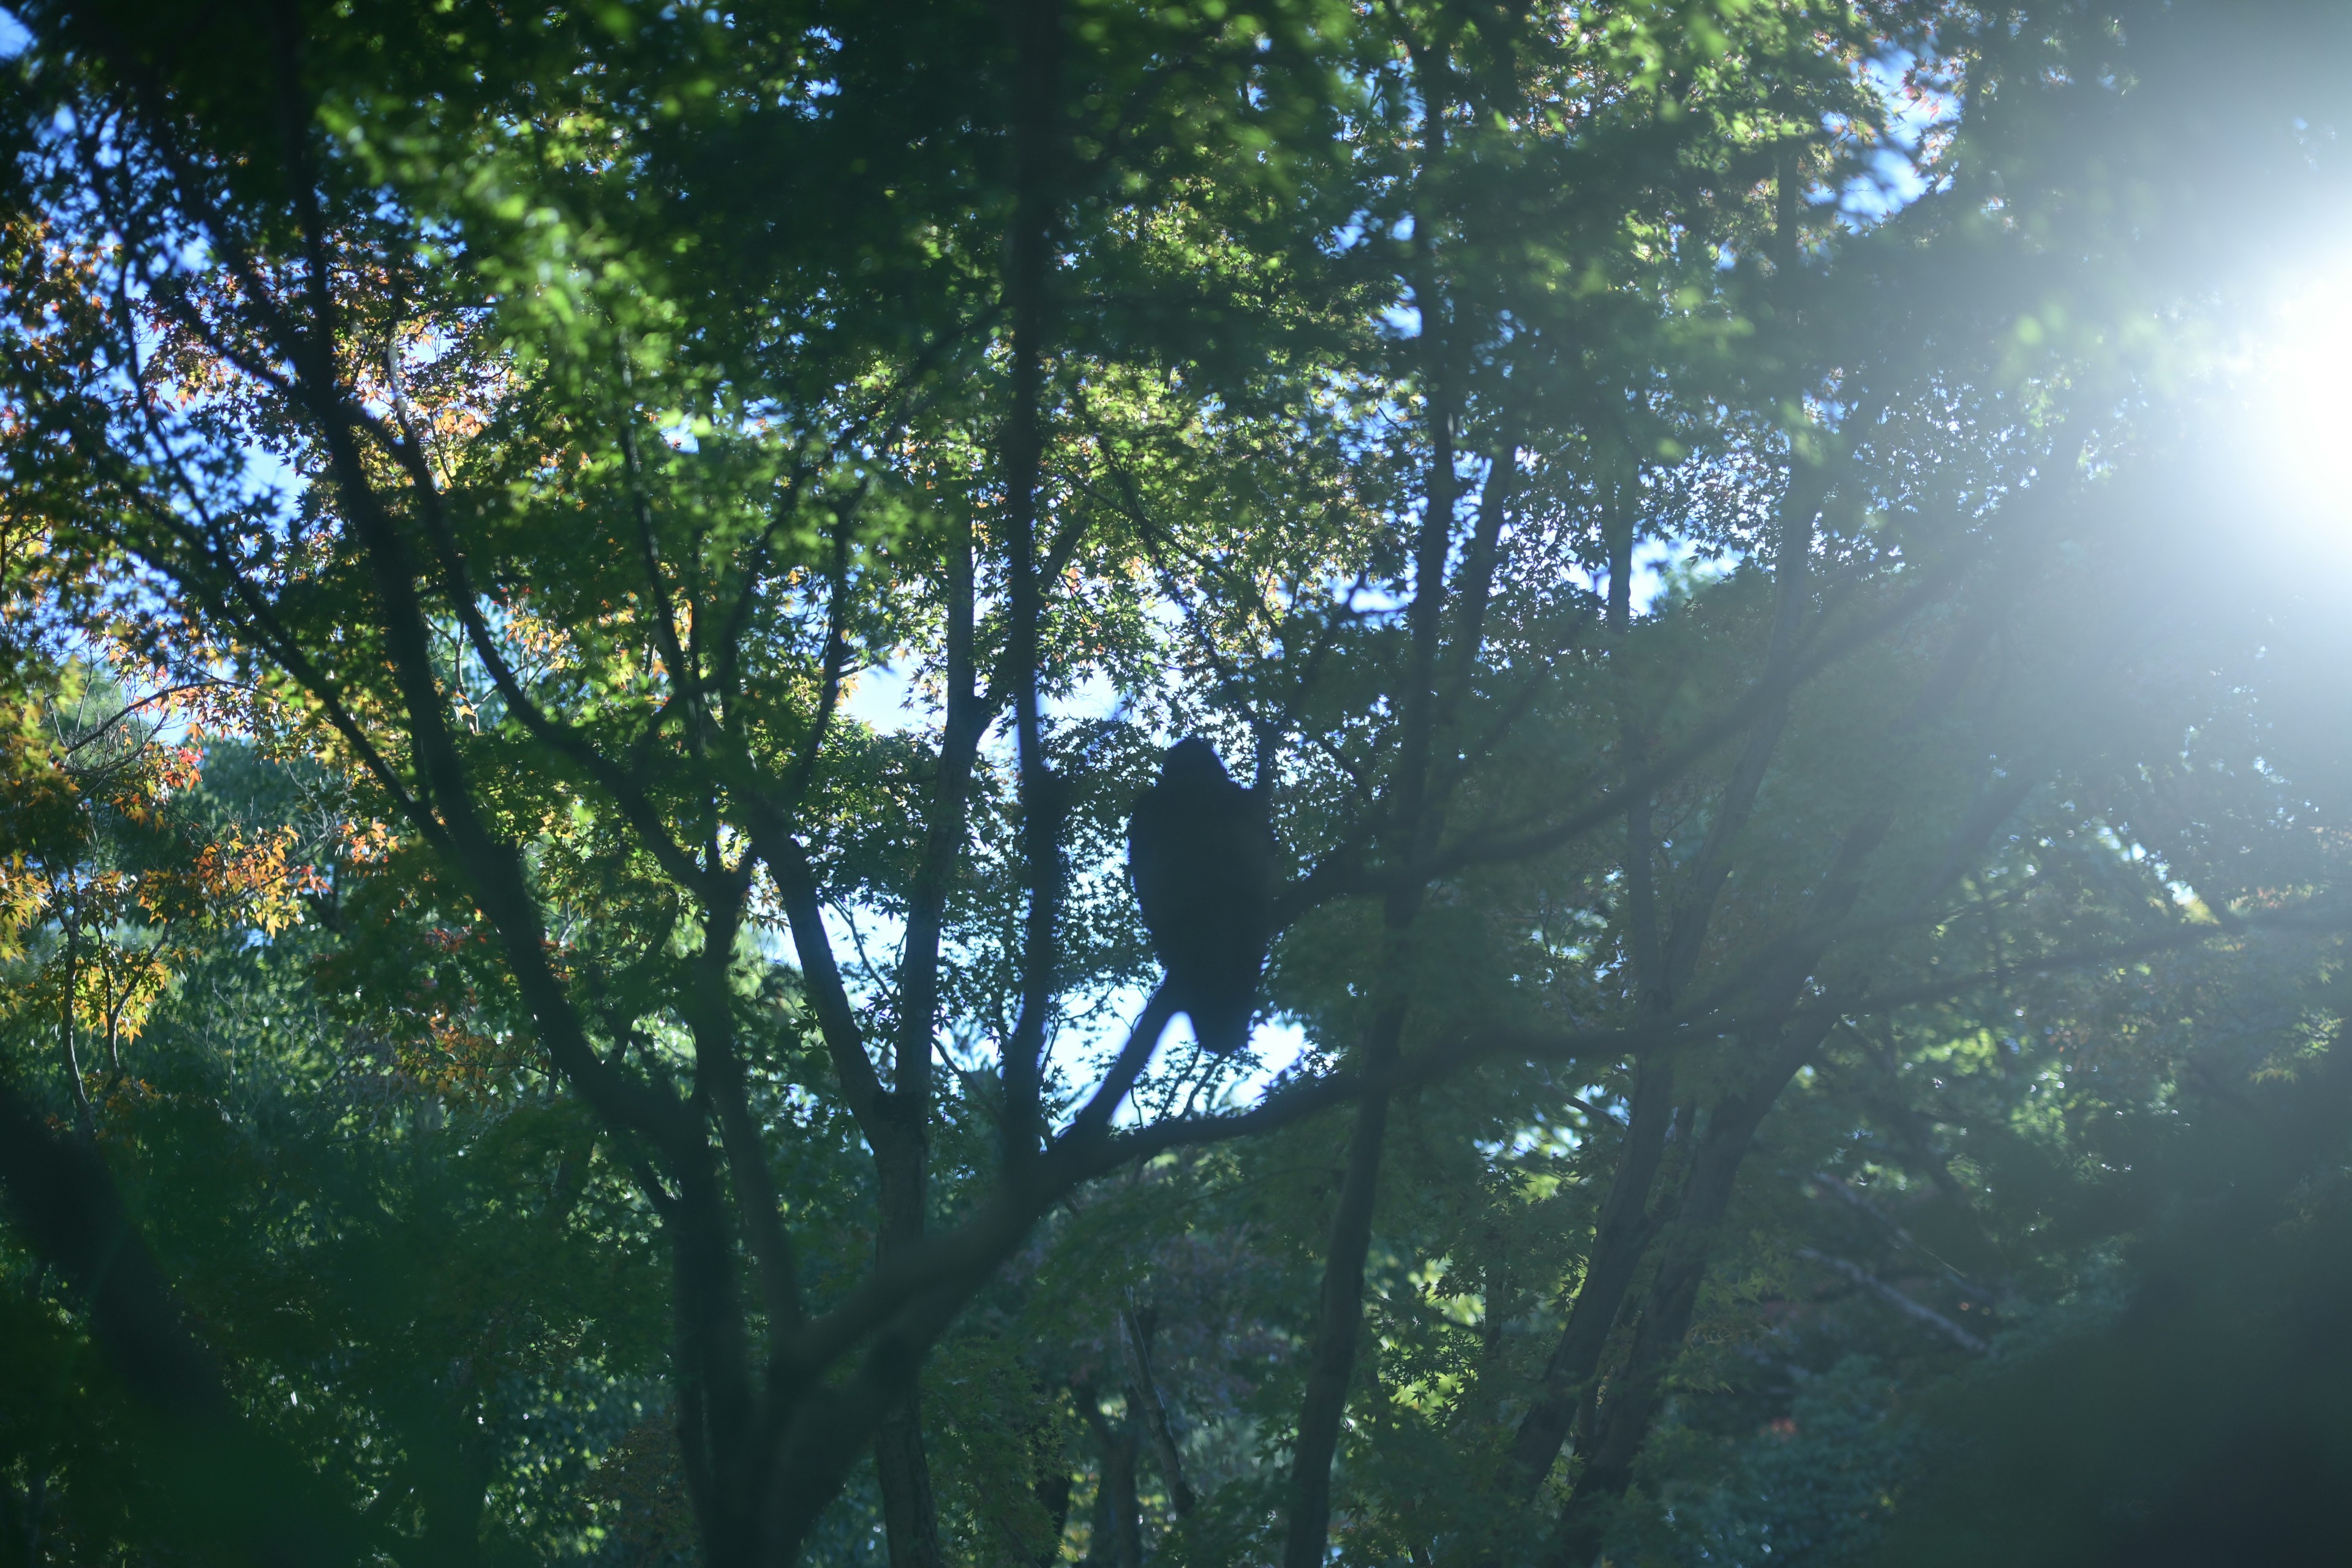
1901, 1300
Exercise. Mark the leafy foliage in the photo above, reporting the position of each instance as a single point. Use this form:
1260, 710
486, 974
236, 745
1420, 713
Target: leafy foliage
588, 593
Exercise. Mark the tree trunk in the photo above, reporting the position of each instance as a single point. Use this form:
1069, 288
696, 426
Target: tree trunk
1625, 1228
910, 1512
1338, 1320
1117, 1534
1143, 1393
1053, 1496
82, 1112
453, 1489
1620, 1239
1673, 1297
901, 1465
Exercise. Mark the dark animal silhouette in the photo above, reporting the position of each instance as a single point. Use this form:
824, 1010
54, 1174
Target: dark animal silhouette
1203, 861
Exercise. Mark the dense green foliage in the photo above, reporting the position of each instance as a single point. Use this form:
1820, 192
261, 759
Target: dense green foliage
587, 590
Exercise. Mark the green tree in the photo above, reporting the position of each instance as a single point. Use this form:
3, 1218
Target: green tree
551, 418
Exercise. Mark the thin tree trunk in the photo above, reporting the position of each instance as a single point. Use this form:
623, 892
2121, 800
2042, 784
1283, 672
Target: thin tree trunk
1053, 1496
1143, 1391
82, 1112
1706, 1187
909, 1511
716, 1410
1037, 29
1118, 1535
1624, 1228
454, 1488
1339, 1315
1620, 1239
1340, 1311
1663, 963
1125, 1514
1671, 1297
901, 1464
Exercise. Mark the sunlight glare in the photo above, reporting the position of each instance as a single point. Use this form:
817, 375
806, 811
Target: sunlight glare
2303, 403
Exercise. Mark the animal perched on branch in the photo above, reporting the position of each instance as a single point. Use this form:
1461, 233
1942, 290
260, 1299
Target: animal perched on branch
1202, 858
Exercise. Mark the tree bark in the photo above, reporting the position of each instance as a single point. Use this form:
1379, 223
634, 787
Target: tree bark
82, 1112
1672, 1295
1623, 1230
909, 1511
453, 1486
1143, 1391
901, 1464
1663, 963
1619, 1239
1117, 1534
1339, 1316
1706, 1194
1340, 1311
1053, 1496
1035, 27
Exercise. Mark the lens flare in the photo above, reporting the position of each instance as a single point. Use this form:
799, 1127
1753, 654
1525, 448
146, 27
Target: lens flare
2301, 402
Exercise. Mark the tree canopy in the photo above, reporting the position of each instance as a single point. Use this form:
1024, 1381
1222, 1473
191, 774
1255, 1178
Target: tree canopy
588, 592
